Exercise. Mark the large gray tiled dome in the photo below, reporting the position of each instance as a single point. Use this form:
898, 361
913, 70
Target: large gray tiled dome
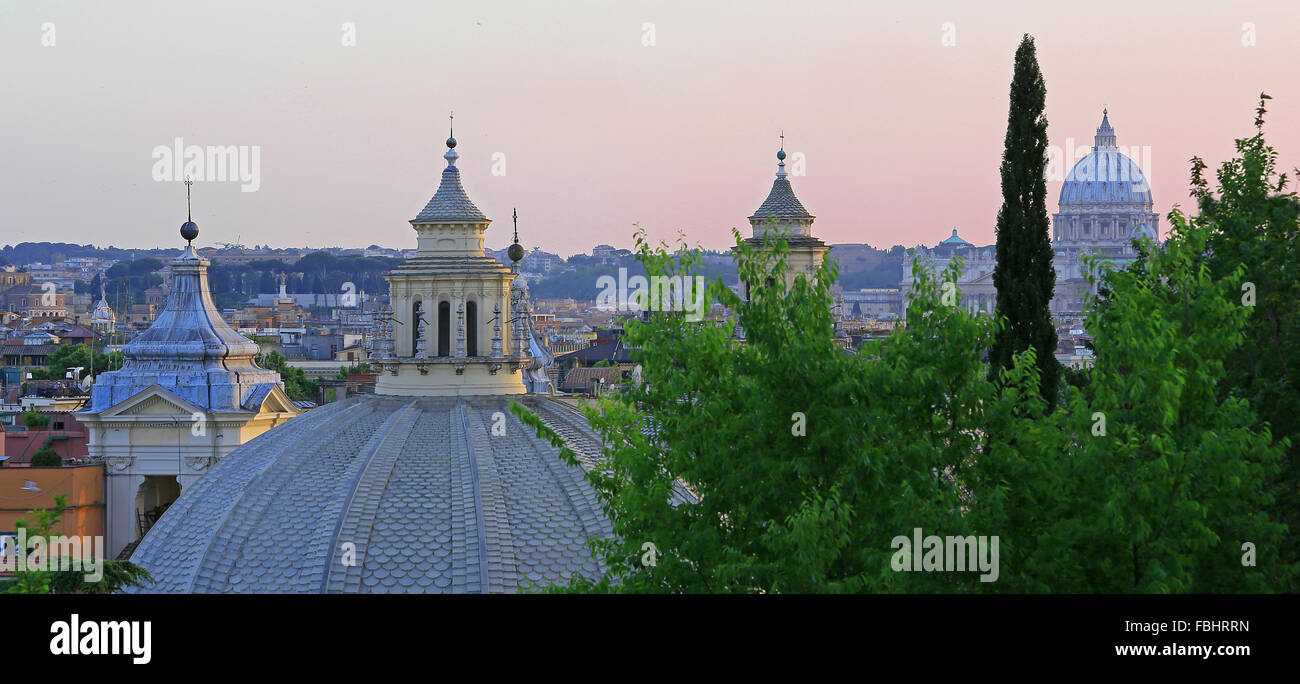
428, 497
1106, 176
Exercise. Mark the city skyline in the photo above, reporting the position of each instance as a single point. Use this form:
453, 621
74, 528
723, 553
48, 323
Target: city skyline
654, 297
678, 135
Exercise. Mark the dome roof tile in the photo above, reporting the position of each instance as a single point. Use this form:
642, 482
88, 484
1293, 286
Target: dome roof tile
1106, 175
781, 203
450, 203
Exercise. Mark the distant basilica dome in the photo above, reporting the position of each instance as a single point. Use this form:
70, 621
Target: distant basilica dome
1106, 175
1105, 201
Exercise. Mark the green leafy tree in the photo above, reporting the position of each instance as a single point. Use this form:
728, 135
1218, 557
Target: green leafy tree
77, 355
46, 457
296, 384
1254, 243
783, 464
1024, 276
345, 371
40, 523
35, 419
806, 461
1148, 479
117, 574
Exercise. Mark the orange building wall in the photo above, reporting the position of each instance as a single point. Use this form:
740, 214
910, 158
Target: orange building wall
82, 485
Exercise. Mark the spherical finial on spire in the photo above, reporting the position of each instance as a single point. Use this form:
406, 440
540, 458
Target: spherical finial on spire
451, 130
516, 250
780, 158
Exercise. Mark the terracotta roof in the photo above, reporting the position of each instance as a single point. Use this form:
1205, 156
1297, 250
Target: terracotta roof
42, 320
582, 378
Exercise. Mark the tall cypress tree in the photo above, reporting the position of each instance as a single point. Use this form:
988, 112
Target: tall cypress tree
1024, 275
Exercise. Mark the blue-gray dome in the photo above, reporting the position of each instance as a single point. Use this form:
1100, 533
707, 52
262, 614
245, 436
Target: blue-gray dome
955, 241
1144, 231
380, 494
1106, 175
189, 350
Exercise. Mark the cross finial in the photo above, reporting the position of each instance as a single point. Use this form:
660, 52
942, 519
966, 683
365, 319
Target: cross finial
188, 214
451, 125
783, 138
514, 215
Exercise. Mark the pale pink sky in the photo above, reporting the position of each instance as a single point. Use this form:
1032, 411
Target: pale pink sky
902, 135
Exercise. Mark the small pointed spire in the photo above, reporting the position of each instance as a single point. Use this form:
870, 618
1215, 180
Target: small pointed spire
451, 156
1105, 133
516, 250
189, 229
450, 203
780, 156
781, 202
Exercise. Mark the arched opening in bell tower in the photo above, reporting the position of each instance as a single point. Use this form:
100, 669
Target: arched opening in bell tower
444, 328
416, 313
